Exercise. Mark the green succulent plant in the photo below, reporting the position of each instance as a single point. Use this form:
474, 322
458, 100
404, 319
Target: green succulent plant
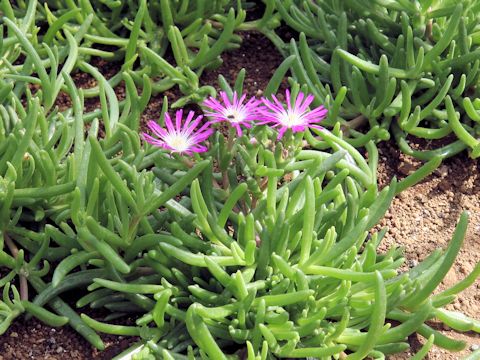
407, 67
261, 247
136, 35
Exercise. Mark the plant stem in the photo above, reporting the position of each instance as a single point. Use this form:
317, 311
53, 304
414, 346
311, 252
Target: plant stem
23, 279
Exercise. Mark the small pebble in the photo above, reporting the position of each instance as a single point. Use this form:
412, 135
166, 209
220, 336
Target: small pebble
412, 263
474, 347
442, 171
59, 350
14, 334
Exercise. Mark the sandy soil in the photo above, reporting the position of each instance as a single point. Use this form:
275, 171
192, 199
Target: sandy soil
423, 218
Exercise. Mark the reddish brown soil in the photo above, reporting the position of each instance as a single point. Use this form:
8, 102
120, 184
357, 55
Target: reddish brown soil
420, 219
257, 56
34, 340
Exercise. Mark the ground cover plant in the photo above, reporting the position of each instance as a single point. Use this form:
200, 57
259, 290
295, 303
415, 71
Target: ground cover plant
407, 67
137, 34
235, 228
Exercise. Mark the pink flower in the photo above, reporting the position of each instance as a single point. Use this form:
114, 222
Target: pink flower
183, 137
234, 112
296, 117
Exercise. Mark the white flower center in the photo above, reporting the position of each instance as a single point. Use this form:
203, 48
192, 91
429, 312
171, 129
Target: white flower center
234, 115
291, 119
178, 142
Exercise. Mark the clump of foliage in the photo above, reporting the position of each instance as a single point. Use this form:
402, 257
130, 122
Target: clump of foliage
406, 68
252, 241
134, 35
283, 262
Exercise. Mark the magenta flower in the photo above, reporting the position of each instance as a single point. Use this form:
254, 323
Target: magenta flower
296, 117
234, 112
183, 137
